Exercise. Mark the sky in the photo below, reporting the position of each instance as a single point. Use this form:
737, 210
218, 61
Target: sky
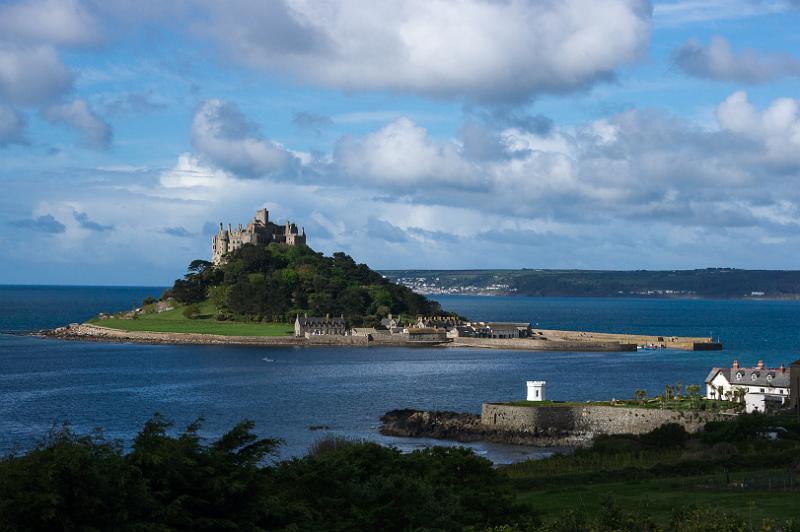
614, 134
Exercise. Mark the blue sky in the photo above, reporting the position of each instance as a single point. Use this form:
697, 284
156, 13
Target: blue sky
410, 134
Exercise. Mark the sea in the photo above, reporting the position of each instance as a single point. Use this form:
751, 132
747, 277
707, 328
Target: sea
300, 395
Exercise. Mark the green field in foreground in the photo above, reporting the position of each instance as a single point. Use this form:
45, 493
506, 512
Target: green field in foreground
658, 497
175, 321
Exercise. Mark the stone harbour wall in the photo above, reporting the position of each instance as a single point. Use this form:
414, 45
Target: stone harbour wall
534, 344
589, 420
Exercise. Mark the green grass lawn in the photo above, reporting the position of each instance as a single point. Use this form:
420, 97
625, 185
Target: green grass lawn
658, 497
175, 321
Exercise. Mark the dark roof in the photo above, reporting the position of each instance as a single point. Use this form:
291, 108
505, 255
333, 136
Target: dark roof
763, 377
316, 321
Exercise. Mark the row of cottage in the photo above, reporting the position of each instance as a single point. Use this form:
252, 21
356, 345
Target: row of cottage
426, 327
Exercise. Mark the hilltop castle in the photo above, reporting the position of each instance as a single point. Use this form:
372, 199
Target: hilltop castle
259, 231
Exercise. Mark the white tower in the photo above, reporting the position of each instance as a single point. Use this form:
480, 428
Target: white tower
536, 390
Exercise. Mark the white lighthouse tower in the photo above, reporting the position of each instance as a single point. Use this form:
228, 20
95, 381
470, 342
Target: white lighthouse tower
536, 390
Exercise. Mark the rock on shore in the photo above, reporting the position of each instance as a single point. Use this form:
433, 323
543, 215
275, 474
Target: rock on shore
468, 428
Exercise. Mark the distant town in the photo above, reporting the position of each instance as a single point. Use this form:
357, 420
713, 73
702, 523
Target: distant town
726, 283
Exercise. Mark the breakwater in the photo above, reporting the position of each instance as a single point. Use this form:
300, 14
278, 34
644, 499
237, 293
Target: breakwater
543, 344
683, 343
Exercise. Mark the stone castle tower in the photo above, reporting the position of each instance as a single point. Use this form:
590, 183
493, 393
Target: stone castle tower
259, 231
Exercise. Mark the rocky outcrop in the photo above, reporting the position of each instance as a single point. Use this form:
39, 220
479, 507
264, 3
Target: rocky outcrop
468, 428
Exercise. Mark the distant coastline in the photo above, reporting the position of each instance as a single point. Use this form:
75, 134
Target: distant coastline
709, 283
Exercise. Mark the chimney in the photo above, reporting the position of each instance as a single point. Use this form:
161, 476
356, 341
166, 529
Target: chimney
328, 316
735, 364
783, 368
760, 364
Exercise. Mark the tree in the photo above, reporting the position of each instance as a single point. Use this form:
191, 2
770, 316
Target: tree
640, 395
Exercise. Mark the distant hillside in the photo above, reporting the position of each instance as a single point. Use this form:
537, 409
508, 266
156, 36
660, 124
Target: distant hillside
710, 282
275, 282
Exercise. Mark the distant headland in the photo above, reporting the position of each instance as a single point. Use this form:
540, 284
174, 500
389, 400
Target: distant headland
718, 283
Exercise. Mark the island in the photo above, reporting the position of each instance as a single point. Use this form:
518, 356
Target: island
264, 285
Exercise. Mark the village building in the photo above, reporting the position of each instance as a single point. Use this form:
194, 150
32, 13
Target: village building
316, 326
498, 330
367, 332
392, 324
761, 387
425, 334
259, 231
438, 322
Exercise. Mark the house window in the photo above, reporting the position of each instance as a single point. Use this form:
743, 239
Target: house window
762, 390
754, 376
738, 376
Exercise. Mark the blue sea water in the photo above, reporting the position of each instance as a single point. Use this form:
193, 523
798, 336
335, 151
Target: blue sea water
286, 390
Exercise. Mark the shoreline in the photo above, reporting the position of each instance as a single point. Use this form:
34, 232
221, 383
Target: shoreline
99, 333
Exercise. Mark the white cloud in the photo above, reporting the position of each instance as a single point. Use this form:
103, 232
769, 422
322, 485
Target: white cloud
57, 22
719, 62
222, 134
475, 49
31, 75
94, 131
777, 128
402, 155
12, 126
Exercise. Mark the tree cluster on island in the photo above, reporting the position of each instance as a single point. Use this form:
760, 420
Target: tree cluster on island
276, 282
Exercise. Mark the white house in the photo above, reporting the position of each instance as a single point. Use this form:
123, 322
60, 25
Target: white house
760, 385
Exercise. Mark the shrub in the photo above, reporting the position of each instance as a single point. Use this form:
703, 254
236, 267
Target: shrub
191, 311
666, 436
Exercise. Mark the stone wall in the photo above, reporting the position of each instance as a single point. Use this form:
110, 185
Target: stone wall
589, 420
532, 344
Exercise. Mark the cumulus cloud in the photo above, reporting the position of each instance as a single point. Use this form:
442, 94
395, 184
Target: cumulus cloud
402, 155
58, 22
83, 221
718, 62
222, 134
12, 127
488, 51
776, 129
41, 224
31, 75
638, 165
94, 131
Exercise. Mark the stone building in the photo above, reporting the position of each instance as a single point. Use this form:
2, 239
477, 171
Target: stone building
316, 326
763, 387
259, 231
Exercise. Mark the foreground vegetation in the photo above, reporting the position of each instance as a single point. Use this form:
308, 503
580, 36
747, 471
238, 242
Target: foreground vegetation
728, 478
274, 283
203, 320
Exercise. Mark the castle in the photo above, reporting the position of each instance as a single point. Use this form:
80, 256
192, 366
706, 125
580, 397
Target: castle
259, 231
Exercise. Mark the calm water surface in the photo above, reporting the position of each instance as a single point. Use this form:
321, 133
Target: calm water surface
286, 390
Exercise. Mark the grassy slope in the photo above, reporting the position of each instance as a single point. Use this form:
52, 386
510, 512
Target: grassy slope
175, 321
658, 497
